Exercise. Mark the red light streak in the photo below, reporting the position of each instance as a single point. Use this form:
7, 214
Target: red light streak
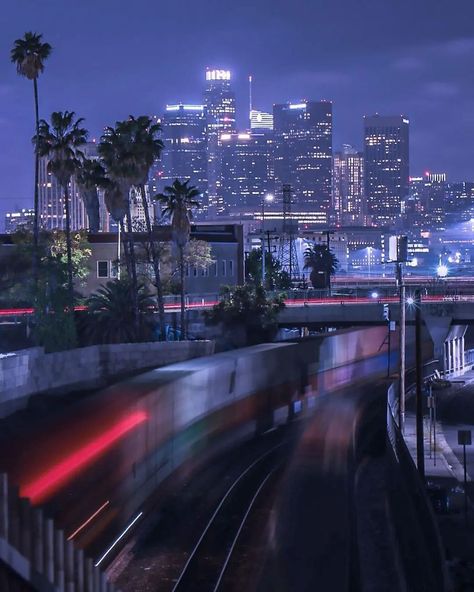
56, 476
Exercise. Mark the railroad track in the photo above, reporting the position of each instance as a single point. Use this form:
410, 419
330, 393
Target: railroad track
209, 560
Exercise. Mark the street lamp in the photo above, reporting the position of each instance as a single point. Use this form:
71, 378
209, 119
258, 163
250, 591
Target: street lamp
269, 197
369, 255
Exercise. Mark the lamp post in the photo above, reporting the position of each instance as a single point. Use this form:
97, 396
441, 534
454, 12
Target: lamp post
369, 255
267, 198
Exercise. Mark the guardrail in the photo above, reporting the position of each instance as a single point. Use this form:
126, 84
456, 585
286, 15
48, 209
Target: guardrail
405, 483
37, 553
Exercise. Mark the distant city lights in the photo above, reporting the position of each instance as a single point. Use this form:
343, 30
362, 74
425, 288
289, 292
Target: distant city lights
217, 75
442, 271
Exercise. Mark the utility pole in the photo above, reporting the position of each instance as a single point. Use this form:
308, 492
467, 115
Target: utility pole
266, 198
420, 450
398, 254
402, 345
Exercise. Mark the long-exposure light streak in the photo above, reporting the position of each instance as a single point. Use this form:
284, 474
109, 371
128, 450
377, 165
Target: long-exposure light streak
88, 521
51, 480
119, 538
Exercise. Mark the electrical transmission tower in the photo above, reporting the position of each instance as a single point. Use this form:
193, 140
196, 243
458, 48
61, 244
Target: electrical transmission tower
287, 248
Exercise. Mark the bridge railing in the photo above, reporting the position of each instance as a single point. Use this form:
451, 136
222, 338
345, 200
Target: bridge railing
37, 553
411, 507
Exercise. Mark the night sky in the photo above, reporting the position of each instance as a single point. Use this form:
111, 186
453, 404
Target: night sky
113, 58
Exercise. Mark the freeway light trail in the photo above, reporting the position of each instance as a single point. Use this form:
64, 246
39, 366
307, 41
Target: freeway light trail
11, 312
50, 481
88, 521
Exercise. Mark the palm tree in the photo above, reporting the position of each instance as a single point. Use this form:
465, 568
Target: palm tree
321, 260
110, 317
89, 177
179, 199
29, 54
60, 143
116, 205
147, 147
119, 161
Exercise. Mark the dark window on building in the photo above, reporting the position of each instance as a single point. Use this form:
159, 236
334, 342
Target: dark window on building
102, 269
231, 268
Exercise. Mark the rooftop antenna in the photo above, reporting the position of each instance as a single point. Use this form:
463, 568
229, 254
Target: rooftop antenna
250, 100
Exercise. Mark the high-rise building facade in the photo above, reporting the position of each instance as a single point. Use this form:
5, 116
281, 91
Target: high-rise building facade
23, 218
51, 202
348, 187
259, 120
247, 171
425, 207
386, 167
184, 154
219, 102
459, 202
303, 153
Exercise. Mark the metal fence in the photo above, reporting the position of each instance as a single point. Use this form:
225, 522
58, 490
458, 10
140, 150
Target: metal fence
37, 553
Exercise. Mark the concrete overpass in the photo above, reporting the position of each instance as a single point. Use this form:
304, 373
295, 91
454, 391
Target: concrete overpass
446, 319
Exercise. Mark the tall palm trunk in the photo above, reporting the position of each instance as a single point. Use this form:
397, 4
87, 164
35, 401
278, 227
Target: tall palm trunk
181, 274
36, 192
156, 263
126, 250
133, 269
68, 248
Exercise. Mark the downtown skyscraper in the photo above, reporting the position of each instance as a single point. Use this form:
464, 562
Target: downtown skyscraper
386, 141
220, 110
348, 187
247, 170
303, 154
184, 154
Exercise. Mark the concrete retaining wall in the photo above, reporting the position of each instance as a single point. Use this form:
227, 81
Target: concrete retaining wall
28, 372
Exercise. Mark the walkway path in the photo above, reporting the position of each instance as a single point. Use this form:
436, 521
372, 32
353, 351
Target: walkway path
445, 474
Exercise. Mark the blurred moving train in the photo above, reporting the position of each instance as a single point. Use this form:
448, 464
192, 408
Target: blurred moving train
94, 465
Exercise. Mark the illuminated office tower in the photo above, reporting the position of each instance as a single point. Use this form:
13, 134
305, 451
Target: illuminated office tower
23, 218
348, 187
246, 171
51, 202
184, 154
386, 167
259, 120
303, 154
219, 102
459, 202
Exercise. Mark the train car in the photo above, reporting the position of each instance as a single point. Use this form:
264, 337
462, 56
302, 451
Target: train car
94, 465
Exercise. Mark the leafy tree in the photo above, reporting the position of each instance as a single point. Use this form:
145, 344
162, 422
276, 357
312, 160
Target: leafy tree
90, 175
276, 278
53, 325
178, 200
29, 54
246, 315
110, 317
60, 143
323, 264
197, 253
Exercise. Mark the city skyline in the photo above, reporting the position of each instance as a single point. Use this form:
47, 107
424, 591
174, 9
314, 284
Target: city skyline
412, 59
